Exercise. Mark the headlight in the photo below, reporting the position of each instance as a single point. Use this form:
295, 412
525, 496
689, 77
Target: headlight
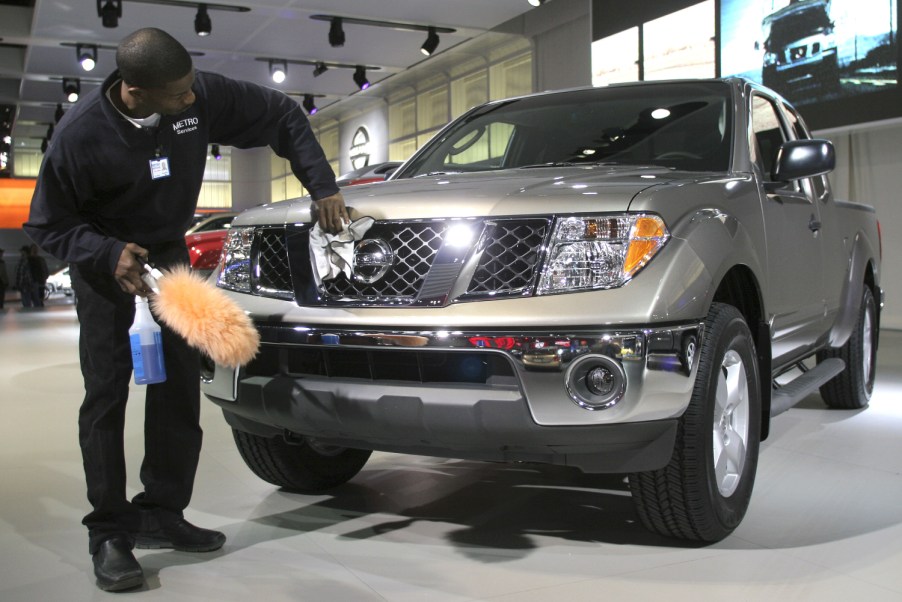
600, 251
236, 260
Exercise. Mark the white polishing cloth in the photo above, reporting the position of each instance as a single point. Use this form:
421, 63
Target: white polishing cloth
334, 253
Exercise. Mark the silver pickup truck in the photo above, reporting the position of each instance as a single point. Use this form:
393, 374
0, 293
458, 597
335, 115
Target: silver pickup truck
630, 279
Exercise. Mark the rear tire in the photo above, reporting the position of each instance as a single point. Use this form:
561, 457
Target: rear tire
304, 467
851, 389
703, 493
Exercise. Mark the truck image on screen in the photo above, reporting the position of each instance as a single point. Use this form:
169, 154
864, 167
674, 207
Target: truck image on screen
800, 47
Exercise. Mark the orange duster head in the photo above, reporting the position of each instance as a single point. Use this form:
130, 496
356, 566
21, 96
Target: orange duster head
205, 317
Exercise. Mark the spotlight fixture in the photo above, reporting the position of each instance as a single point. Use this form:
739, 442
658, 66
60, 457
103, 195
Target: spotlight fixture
110, 12
278, 70
214, 152
319, 69
202, 24
87, 56
336, 33
71, 88
360, 77
308, 104
536, 2
431, 42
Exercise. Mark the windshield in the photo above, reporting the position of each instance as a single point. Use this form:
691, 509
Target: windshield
679, 125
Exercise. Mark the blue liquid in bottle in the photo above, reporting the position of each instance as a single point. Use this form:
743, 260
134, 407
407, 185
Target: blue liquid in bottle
147, 346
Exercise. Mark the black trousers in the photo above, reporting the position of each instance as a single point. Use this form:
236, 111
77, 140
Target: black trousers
172, 433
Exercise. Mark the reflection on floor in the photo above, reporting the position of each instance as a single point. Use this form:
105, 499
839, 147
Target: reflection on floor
825, 521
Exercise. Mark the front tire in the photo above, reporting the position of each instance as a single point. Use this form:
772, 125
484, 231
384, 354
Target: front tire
851, 389
303, 466
703, 493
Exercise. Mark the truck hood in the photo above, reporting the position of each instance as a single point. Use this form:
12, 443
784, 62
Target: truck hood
524, 191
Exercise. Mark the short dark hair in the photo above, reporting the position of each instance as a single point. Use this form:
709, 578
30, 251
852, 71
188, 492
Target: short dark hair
151, 58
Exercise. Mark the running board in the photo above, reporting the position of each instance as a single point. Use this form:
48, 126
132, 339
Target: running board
796, 390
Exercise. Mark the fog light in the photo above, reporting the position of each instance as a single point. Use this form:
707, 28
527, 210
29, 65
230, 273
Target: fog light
595, 382
600, 381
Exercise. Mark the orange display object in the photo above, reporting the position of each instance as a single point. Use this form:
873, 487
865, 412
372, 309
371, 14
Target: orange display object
15, 200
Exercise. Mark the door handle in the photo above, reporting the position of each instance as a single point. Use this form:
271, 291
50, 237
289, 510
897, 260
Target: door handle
814, 224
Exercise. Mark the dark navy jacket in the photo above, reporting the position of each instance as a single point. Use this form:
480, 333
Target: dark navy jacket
95, 192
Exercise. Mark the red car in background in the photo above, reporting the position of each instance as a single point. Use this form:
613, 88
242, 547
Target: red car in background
204, 249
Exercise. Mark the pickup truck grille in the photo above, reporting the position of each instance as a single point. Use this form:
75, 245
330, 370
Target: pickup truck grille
507, 253
509, 260
415, 246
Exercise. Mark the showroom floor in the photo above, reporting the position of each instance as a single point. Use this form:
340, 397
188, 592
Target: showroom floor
825, 521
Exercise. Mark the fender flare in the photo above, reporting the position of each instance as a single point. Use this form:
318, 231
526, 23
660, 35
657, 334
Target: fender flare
849, 309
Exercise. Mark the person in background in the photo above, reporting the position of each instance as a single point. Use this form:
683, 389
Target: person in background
119, 185
24, 278
4, 280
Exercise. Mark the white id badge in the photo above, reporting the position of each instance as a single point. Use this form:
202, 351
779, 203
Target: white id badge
159, 168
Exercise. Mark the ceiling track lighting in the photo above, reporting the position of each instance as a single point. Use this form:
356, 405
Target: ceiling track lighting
537, 2
87, 56
309, 104
278, 70
337, 35
71, 88
431, 42
360, 77
109, 11
203, 26
278, 67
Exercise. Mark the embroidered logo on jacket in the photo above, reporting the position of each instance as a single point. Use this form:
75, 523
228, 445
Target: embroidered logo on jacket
185, 125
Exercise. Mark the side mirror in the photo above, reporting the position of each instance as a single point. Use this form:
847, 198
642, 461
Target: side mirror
803, 159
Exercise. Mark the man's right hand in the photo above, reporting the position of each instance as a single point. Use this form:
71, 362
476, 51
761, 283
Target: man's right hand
129, 270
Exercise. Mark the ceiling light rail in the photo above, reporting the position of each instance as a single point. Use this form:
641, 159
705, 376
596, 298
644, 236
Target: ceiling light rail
337, 35
110, 11
278, 69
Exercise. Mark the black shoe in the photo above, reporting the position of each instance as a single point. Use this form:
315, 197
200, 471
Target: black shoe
115, 566
180, 535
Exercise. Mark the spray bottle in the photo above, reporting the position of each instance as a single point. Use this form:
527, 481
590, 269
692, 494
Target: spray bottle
147, 346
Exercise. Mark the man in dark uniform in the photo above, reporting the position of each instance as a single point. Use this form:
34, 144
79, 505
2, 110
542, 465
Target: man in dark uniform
120, 181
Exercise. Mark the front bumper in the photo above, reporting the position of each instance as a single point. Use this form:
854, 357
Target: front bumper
489, 395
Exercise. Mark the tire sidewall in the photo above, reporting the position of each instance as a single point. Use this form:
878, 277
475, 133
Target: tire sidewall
732, 334
864, 382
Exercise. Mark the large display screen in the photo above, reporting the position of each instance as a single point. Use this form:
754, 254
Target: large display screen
838, 58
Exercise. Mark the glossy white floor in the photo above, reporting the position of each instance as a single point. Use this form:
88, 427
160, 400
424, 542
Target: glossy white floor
825, 521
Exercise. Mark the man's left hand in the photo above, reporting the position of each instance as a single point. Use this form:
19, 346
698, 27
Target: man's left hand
332, 213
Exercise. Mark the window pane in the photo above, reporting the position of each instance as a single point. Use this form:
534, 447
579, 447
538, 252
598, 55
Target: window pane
681, 44
616, 58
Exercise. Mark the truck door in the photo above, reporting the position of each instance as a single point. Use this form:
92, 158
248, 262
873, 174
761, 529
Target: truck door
833, 255
795, 300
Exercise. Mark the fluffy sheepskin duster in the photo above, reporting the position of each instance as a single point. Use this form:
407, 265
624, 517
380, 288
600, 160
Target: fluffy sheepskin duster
205, 317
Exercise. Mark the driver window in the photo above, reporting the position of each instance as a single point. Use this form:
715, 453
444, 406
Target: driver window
768, 135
